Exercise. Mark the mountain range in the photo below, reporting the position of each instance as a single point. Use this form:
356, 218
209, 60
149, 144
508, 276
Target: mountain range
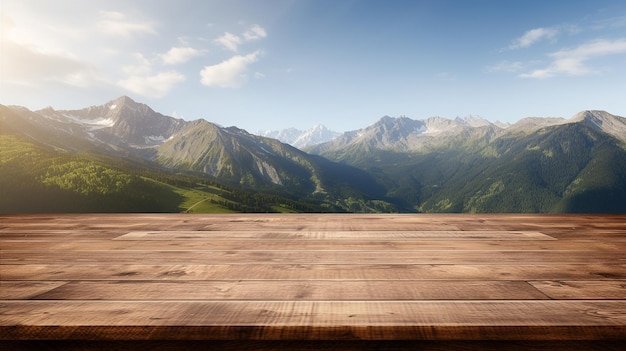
472, 165
125, 129
397, 164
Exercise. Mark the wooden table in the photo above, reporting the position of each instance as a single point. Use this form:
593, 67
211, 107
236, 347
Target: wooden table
313, 281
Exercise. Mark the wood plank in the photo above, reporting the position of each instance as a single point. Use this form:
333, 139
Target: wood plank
335, 234
313, 345
494, 271
60, 243
295, 290
22, 290
306, 320
230, 222
62, 234
546, 222
581, 289
324, 222
315, 221
609, 234
310, 257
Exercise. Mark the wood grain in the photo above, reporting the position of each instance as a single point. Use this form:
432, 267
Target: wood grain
335, 234
314, 320
309, 257
568, 289
316, 345
175, 272
59, 243
312, 281
23, 290
296, 290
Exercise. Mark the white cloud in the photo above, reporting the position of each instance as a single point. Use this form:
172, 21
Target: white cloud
116, 23
594, 48
179, 55
230, 73
538, 74
533, 36
155, 86
254, 33
24, 65
229, 41
614, 22
574, 61
141, 67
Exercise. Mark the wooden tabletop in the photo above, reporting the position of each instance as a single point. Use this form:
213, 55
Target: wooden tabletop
342, 281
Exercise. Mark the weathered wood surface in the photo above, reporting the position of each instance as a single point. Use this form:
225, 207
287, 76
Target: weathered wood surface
265, 281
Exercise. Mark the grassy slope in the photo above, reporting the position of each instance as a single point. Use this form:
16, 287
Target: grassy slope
36, 178
201, 200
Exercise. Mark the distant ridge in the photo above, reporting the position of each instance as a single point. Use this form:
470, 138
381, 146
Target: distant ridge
406, 134
302, 138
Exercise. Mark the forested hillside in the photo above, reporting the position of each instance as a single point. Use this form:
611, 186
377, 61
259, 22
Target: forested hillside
34, 178
565, 168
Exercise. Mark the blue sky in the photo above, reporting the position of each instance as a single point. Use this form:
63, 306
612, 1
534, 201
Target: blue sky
272, 64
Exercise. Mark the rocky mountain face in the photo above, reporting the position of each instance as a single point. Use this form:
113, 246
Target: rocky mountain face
121, 122
603, 121
302, 138
232, 153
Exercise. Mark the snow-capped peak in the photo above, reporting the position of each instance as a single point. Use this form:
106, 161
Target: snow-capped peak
473, 121
302, 138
